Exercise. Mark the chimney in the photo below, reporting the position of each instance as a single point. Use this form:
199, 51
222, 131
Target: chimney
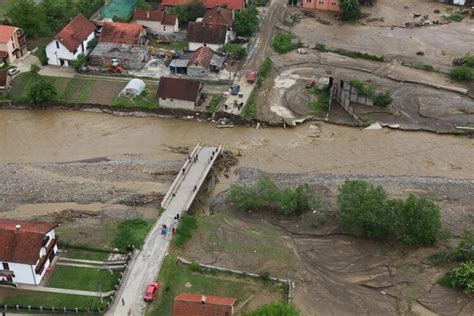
203, 299
18, 228
147, 14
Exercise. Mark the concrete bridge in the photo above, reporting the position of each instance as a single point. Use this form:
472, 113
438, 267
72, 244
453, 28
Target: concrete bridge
145, 266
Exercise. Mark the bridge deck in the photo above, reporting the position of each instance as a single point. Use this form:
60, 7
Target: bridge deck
147, 264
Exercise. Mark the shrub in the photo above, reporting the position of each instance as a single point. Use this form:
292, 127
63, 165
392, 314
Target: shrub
34, 69
350, 10
184, 232
235, 51
321, 105
456, 16
365, 210
363, 88
266, 195
194, 266
263, 71
282, 43
462, 73
461, 278
79, 62
130, 232
437, 11
465, 249
383, 99
41, 91
274, 309
469, 61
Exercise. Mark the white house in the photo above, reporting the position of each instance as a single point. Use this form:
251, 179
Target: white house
71, 41
177, 93
26, 250
157, 21
213, 36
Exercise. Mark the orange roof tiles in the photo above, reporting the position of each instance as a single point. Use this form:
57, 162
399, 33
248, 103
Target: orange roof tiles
6, 32
121, 33
192, 304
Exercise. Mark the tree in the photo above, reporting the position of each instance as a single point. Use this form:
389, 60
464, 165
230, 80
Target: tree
246, 21
282, 44
57, 12
274, 309
463, 277
28, 16
350, 10
235, 51
462, 73
41, 91
143, 5
34, 69
188, 12
80, 62
92, 44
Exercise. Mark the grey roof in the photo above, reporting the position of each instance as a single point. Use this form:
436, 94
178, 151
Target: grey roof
179, 63
217, 60
112, 50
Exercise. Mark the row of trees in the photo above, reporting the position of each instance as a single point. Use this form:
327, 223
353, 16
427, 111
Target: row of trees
49, 16
267, 195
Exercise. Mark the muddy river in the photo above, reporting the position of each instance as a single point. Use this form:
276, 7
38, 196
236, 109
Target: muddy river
57, 135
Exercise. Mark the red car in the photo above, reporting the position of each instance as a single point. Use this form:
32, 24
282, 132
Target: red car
251, 76
151, 292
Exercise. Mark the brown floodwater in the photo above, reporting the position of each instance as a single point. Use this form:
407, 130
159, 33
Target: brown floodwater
59, 135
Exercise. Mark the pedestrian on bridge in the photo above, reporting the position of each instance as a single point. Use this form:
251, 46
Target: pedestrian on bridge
195, 188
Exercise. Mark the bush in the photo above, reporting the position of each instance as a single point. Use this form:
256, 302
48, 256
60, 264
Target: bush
264, 70
363, 88
365, 210
184, 232
462, 73
383, 99
194, 266
282, 43
465, 249
41, 91
469, 61
437, 11
461, 278
266, 195
235, 51
350, 10
456, 16
80, 62
34, 69
274, 309
131, 232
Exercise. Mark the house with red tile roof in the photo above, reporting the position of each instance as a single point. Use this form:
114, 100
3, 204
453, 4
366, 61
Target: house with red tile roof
219, 16
191, 304
177, 93
157, 21
12, 43
209, 4
27, 249
122, 33
203, 61
210, 35
71, 41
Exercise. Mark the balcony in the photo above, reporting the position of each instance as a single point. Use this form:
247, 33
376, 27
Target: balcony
49, 254
21, 35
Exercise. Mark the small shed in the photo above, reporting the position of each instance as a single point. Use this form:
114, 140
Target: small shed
133, 88
179, 66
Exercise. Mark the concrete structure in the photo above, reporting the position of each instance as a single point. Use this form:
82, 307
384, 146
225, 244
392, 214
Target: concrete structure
12, 43
179, 93
328, 5
145, 267
26, 250
71, 41
157, 21
213, 36
126, 56
179, 66
191, 304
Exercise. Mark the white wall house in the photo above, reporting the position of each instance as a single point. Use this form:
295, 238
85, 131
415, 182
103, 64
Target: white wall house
212, 36
176, 93
71, 41
27, 250
157, 21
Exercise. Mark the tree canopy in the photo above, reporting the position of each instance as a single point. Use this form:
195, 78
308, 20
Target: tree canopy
188, 12
350, 10
41, 91
246, 21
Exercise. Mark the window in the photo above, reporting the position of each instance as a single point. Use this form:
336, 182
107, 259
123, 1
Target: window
321, 2
75, 51
13, 44
334, 4
163, 98
57, 44
164, 28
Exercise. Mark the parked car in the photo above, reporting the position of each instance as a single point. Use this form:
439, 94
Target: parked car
234, 89
151, 292
13, 71
310, 83
251, 76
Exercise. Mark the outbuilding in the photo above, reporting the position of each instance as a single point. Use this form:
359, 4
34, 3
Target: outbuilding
178, 93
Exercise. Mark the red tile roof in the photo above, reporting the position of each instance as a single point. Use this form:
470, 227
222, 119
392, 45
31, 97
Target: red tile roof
121, 33
219, 16
75, 32
154, 15
201, 57
3, 78
22, 246
199, 32
231, 4
178, 89
3, 54
191, 304
6, 32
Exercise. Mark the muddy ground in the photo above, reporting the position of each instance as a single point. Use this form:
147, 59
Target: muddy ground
336, 273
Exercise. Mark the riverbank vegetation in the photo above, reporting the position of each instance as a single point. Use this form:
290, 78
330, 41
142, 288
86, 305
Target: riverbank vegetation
366, 210
131, 233
268, 195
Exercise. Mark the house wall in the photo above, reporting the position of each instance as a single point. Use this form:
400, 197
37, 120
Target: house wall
176, 104
10, 46
193, 46
157, 27
197, 71
328, 5
55, 55
24, 273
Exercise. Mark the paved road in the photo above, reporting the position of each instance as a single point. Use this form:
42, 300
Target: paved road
257, 56
146, 266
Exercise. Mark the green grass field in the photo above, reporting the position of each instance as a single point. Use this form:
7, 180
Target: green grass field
24, 298
173, 278
78, 278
